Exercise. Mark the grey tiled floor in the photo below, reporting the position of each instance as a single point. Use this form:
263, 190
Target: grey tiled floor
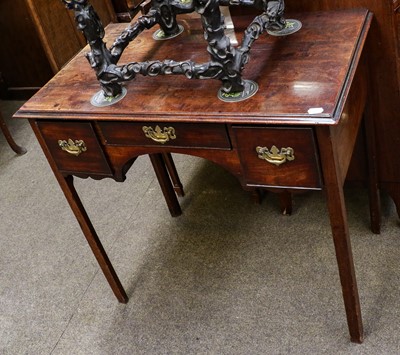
226, 277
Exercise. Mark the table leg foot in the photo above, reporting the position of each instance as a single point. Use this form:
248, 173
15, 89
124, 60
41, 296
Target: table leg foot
358, 339
286, 203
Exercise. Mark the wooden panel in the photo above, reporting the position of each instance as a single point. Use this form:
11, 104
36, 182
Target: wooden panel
120, 6
187, 135
126, 9
303, 171
23, 62
397, 36
50, 17
38, 37
105, 10
92, 161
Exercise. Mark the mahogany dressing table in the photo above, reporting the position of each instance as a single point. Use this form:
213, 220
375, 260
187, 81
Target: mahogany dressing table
297, 133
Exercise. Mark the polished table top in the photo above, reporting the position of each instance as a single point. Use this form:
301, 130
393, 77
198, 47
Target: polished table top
305, 86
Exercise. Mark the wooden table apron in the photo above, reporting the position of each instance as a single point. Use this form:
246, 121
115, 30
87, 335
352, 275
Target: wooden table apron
319, 68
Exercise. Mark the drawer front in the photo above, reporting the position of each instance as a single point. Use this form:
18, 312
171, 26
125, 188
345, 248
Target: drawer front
71, 155
168, 134
282, 157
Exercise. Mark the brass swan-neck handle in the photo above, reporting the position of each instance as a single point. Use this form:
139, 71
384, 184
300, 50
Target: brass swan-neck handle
274, 155
159, 135
72, 147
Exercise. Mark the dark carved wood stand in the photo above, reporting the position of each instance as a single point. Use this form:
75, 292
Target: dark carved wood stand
226, 62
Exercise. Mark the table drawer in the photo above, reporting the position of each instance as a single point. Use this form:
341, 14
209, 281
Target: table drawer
169, 134
285, 157
74, 147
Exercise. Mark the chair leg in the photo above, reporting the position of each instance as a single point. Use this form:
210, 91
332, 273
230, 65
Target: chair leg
14, 146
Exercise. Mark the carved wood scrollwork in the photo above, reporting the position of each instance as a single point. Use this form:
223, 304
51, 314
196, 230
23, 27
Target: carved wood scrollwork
226, 61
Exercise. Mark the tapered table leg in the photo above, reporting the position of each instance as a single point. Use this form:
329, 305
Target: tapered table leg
285, 202
176, 182
67, 186
93, 240
373, 188
14, 146
340, 232
165, 183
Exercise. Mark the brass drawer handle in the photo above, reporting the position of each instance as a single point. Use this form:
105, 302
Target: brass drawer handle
72, 147
158, 135
274, 155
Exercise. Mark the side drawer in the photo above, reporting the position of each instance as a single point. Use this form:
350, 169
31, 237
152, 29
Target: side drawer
169, 134
90, 160
281, 157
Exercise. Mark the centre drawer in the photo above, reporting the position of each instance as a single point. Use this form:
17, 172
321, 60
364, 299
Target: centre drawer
169, 134
279, 157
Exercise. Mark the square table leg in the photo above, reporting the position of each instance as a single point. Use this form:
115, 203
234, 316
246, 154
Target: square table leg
176, 182
67, 186
373, 182
91, 236
340, 231
163, 177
